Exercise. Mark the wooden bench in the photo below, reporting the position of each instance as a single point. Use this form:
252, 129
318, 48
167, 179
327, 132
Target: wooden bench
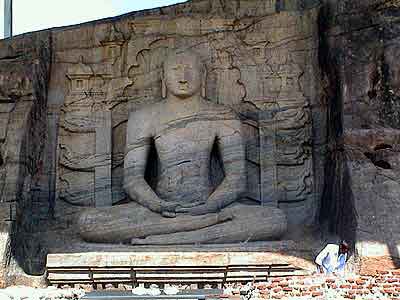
216, 276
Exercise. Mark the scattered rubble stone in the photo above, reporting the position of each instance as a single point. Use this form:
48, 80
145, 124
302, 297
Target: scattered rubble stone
50, 293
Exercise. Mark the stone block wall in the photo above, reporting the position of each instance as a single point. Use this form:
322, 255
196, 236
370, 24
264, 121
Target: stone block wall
381, 285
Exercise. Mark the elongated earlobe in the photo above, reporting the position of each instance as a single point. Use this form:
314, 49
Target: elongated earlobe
163, 88
203, 83
203, 91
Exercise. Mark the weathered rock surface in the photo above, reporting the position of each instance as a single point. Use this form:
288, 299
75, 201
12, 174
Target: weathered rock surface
258, 75
261, 61
24, 75
359, 61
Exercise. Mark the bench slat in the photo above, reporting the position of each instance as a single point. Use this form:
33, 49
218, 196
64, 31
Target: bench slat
165, 274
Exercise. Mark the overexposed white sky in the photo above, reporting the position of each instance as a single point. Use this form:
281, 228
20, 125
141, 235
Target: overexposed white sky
32, 15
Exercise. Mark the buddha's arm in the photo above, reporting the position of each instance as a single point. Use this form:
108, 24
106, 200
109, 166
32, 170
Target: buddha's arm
136, 186
234, 184
137, 153
232, 147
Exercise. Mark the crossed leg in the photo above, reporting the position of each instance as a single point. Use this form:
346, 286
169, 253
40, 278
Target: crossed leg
120, 224
138, 225
248, 223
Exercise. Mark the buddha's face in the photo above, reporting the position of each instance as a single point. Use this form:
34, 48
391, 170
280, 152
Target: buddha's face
183, 74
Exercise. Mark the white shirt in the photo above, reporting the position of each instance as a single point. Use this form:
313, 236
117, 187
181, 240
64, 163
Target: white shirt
332, 250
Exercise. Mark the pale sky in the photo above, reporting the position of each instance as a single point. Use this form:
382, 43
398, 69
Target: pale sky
32, 15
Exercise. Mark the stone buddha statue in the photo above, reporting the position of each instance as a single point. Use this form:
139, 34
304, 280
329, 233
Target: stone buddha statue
183, 206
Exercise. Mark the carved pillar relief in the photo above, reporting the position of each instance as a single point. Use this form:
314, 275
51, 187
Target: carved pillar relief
268, 168
293, 136
103, 196
86, 137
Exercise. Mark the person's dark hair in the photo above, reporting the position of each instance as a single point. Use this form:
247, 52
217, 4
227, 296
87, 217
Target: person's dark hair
343, 247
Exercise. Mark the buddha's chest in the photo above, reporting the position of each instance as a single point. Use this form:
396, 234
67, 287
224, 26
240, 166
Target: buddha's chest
192, 141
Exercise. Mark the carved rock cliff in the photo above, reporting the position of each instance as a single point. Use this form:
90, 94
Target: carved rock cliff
316, 84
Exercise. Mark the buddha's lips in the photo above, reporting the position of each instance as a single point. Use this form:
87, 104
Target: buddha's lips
183, 85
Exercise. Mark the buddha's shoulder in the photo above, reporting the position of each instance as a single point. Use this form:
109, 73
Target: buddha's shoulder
142, 120
146, 110
219, 110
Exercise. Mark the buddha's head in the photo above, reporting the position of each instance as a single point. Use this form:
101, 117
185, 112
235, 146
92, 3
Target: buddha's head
183, 74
